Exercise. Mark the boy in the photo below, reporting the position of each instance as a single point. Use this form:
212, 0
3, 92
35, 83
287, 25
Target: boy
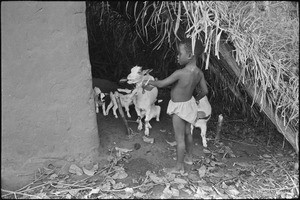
182, 105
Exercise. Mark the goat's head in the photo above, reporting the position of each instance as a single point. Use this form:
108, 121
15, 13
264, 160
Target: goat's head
137, 74
99, 94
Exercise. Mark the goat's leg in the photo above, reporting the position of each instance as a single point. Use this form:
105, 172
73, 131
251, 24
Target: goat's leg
142, 115
203, 132
115, 111
127, 111
158, 113
192, 128
103, 109
147, 124
97, 107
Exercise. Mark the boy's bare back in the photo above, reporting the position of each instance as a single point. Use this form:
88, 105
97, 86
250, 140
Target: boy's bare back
188, 78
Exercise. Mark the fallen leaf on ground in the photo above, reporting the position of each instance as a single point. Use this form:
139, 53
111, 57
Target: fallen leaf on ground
109, 158
162, 130
206, 151
201, 194
232, 191
89, 172
180, 180
206, 188
187, 191
180, 186
120, 175
119, 185
122, 150
148, 140
172, 143
105, 187
53, 176
243, 164
74, 169
139, 194
201, 171
167, 192
128, 190
175, 192
155, 178
266, 156
94, 191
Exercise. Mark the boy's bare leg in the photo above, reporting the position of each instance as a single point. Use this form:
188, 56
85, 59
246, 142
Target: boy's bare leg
179, 129
188, 144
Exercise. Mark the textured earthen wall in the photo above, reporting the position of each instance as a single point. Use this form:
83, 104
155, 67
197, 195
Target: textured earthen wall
47, 109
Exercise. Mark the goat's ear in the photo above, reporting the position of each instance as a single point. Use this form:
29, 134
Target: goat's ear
147, 71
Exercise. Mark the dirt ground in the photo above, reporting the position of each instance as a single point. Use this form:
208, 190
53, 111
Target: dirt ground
244, 142
248, 162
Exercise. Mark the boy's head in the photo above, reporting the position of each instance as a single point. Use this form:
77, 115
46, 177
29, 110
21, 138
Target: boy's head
185, 52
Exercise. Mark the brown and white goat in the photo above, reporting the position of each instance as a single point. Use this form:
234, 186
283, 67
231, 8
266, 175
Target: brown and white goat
99, 100
125, 99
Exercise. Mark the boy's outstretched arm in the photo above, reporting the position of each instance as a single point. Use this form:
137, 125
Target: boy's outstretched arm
165, 82
201, 88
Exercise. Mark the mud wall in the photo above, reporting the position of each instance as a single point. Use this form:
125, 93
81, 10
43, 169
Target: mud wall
47, 109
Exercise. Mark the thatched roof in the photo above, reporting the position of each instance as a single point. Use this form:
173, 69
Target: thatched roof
265, 40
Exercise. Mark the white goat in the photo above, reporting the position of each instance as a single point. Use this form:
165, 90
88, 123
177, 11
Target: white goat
144, 100
205, 107
125, 99
99, 100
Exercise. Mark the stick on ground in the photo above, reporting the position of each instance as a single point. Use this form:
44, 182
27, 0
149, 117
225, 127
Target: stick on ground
122, 113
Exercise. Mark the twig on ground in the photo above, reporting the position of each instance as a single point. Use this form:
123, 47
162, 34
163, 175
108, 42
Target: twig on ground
15, 192
26, 186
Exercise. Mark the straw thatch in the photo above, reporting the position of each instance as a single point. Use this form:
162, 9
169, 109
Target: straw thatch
265, 40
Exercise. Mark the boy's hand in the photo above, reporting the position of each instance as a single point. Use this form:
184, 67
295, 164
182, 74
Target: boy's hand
146, 87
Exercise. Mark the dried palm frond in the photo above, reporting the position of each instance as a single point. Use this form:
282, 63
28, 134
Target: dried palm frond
265, 36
